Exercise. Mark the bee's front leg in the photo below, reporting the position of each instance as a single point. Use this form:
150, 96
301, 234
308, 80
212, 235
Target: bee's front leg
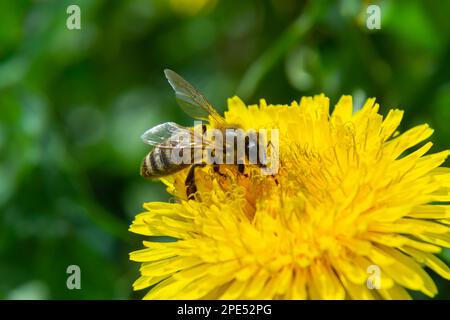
191, 187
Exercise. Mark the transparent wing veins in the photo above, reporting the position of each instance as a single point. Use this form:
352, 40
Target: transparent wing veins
190, 99
161, 133
171, 135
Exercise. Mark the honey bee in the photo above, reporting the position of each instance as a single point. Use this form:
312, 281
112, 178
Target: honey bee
165, 138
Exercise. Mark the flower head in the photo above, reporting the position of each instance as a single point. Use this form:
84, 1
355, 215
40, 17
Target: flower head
351, 209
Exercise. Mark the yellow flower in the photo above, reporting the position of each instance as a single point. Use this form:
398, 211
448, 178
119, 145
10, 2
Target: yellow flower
349, 204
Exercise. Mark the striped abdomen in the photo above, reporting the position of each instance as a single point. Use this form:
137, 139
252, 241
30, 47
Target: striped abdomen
158, 164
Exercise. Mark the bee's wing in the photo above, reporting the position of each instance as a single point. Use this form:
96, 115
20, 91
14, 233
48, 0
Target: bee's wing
190, 99
161, 133
176, 134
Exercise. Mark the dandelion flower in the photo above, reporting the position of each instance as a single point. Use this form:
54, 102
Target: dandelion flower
349, 195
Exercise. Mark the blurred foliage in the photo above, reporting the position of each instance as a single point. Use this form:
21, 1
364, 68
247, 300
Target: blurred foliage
73, 104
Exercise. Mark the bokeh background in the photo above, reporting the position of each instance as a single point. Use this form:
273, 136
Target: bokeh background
73, 104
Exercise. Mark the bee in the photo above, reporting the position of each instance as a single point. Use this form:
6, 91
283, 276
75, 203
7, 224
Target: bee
165, 138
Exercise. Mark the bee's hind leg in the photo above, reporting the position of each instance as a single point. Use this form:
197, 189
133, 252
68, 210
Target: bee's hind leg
191, 187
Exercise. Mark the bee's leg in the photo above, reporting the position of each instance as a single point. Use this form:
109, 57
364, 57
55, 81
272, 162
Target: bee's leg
276, 180
216, 169
241, 169
191, 187
274, 176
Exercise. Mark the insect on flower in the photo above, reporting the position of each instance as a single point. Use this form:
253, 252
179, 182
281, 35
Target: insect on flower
354, 214
177, 147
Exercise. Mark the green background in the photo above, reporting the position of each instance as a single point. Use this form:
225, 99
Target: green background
73, 104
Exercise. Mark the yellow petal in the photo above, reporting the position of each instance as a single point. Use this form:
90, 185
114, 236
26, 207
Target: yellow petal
394, 293
343, 109
430, 261
356, 291
325, 282
298, 287
235, 290
431, 212
408, 273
